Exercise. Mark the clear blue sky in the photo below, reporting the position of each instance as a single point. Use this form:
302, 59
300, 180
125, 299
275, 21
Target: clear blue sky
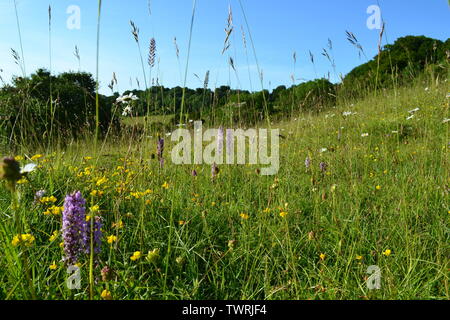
278, 27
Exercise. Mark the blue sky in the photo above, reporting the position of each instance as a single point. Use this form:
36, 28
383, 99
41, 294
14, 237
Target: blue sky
279, 28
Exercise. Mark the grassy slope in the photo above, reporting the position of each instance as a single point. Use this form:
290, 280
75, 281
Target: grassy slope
340, 214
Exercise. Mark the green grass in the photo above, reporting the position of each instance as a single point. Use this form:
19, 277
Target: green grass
216, 254
163, 119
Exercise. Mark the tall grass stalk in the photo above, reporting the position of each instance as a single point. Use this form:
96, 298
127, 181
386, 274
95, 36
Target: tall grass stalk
24, 71
194, 6
97, 81
266, 109
52, 112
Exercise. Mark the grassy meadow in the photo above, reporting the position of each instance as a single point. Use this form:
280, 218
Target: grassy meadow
302, 234
364, 182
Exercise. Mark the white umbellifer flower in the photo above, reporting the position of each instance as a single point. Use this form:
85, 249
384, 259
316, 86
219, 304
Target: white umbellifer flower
365, 135
448, 95
323, 150
127, 111
410, 117
348, 113
446, 120
413, 110
168, 134
426, 89
127, 98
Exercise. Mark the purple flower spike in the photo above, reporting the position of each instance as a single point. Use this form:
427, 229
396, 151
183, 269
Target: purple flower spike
74, 227
307, 162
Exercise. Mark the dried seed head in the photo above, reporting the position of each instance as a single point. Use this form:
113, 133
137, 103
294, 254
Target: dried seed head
134, 31
152, 53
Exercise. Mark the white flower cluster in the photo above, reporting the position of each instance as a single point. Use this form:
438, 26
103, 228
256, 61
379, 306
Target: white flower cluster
126, 99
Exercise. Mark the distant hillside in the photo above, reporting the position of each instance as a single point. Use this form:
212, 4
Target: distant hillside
69, 98
401, 61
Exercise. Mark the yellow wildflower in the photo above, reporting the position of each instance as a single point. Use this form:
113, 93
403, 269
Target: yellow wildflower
101, 181
54, 210
322, 256
136, 255
244, 216
50, 199
165, 185
15, 241
283, 214
106, 295
54, 236
22, 181
387, 252
53, 266
111, 239
36, 157
118, 225
97, 193
26, 239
